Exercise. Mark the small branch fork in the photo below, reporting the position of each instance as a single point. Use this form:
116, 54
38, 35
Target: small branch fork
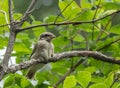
96, 55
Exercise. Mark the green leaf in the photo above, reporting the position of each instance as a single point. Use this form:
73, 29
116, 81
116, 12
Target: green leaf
18, 79
50, 87
78, 38
52, 18
9, 81
90, 69
116, 85
85, 15
41, 76
97, 79
4, 5
25, 83
2, 20
60, 42
115, 29
64, 33
38, 30
92, 44
26, 24
111, 5
109, 80
17, 16
20, 47
98, 85
13, 86
4, 41
104, 22
83, 78
71, 11
85, 27
22, 36
62, 65
69, 82
85, 4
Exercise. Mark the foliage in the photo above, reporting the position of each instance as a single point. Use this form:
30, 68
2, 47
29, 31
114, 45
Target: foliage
96, 36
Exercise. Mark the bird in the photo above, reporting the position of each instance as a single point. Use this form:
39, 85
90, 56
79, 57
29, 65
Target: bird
44, 49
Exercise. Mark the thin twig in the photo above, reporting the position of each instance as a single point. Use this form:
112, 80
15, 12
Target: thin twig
101, 32
107, 45
86, 40
10, 13
116, 78
66, 23
96, 9
63, 11
101, 29
69, 72
28, 11
94, 18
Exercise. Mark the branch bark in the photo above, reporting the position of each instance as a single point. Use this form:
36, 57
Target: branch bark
9, 50
28, 11
10, 11
11, 41
66, 23
94, 54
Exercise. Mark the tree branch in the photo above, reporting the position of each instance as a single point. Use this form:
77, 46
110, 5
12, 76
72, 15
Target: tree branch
10, 12
8, 50
96, 55
28, 11
107, 45
66, 23
105, 27
12, 36
63, 23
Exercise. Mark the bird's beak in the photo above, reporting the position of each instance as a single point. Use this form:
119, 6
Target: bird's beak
53, 36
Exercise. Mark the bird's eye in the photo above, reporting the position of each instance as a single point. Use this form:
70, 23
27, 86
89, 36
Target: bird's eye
46, 35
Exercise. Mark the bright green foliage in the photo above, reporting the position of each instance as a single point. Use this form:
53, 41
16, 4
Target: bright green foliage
17, 81
4, 5
109, 80
102, 35
70, 12
83, 78
99, 85
69, 82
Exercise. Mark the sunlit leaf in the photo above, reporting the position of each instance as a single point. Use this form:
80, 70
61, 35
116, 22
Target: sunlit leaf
109, 80
69, 82
72, 9
83, 78
98, 85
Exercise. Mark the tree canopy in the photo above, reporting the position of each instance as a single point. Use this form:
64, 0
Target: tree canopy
87, 43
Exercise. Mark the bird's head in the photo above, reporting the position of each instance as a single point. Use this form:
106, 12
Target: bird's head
47, 36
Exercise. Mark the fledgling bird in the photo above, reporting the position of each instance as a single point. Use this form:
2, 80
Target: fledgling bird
43, 48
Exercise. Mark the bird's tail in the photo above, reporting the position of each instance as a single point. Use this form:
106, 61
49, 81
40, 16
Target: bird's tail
32, 70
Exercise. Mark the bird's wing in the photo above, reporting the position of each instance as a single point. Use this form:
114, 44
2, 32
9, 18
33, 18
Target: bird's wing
40, 44
35, 47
